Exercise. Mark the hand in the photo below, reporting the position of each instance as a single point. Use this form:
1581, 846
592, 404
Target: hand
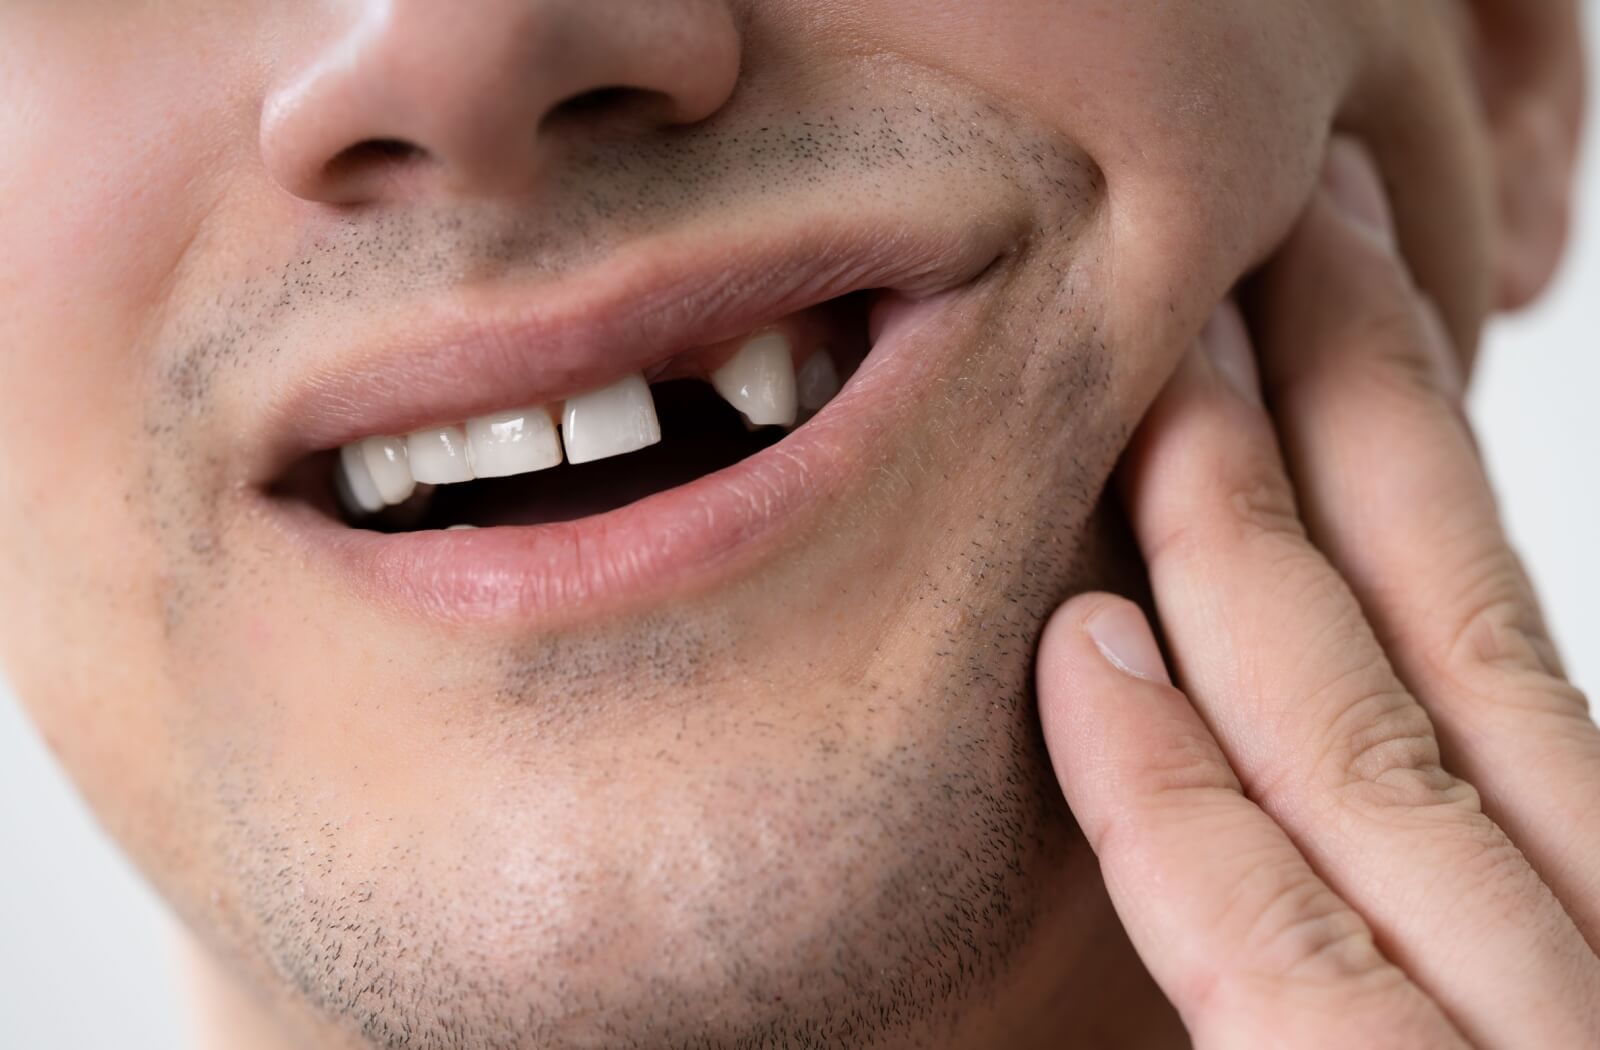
1371, 816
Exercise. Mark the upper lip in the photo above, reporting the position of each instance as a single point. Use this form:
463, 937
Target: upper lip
483, 349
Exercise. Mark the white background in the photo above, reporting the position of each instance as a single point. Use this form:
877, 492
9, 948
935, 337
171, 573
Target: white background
84, 946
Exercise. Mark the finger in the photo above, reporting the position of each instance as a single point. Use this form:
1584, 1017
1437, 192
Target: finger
1273, 650
1366, 400
1251, 947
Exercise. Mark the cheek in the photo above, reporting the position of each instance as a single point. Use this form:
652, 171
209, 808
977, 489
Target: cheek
103, 158
1206, 120
98, 159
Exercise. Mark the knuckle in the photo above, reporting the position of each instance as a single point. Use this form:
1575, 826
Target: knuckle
1389, 760
1381, 735
1306, 934
1301, 944
1416, 796
1236, 496
1392, 337
1337, 729
1381, 753
1186, 775
1496, 658
1185, 764
1361, 721
1500, 630
1258, 502
1387, 773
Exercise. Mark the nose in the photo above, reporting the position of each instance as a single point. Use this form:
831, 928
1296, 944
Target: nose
471, 97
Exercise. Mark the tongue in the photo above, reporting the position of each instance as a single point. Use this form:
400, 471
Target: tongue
700, 434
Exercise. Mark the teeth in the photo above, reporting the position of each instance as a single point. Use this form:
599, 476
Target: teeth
610, 421
439, 456
356, 487
385, 458
817, 381
759, 380
515, 442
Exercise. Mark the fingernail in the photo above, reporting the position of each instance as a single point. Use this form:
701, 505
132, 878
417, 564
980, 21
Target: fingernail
1352, 180
1120, 633
1448, 370
1226, 342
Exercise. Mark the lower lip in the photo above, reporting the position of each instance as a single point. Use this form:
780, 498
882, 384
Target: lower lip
696, 534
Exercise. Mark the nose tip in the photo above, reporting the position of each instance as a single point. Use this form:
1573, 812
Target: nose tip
471, 100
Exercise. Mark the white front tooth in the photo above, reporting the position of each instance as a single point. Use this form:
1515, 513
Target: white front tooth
385, 458
610, 421
439, 456
516, 442
356, 488
759, 380
817, 381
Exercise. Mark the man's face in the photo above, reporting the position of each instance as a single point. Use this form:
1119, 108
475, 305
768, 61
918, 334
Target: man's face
752, 760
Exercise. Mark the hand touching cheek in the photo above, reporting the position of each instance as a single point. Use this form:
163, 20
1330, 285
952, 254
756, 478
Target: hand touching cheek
1363, 815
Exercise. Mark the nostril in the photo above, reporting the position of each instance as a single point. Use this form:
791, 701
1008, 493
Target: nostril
609, 105
372, 154
598, 100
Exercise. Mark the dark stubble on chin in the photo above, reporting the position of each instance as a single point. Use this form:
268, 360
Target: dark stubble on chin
947, 843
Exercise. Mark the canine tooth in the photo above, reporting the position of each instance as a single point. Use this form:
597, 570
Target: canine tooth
759, 380
356, 487
385, 458
817, 381
458, 528
514, 442
610, 421
439, 456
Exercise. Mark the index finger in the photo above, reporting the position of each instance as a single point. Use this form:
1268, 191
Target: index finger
1246, 940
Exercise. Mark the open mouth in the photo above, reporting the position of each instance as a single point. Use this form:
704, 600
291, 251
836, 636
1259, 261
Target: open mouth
694, 413
650, 429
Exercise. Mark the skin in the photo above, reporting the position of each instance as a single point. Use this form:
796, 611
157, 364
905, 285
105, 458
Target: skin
1358, 824
805, 805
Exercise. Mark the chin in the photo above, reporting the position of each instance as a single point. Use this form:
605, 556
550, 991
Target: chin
875, 855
